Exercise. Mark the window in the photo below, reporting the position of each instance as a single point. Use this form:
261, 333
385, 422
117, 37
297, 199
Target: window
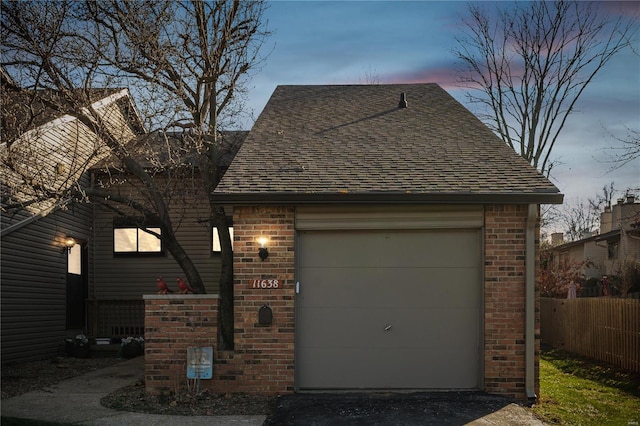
216, 239
131, 236
74, 260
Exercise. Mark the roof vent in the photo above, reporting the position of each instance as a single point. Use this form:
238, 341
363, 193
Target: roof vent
403, 100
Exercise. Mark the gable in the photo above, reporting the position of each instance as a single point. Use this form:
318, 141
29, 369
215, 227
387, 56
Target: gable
355, 143
44, 151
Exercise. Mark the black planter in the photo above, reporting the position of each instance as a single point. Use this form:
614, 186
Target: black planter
132, 350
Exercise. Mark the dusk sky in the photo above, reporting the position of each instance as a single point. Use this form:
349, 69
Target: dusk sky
322, 42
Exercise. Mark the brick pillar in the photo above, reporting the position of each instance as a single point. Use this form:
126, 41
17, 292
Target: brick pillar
504, 301
263, 360
172, 324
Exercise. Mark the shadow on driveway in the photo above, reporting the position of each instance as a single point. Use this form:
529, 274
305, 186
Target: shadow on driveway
439, 408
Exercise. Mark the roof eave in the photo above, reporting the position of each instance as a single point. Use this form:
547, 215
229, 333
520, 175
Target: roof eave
386, 198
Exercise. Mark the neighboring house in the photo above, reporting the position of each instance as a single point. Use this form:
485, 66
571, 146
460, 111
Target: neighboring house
95, 287
588, 253
615, 245
399, 243
620, 234
44, 278
123, 268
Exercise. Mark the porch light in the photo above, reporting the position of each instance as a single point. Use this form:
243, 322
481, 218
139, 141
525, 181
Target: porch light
69, 242
263, 252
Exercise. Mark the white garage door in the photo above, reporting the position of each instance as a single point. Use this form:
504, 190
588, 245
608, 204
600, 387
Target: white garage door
394, 309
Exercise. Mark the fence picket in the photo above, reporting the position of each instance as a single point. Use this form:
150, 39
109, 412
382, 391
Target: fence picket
607, 329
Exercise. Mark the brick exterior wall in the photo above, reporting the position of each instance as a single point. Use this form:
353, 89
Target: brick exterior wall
504, 301
263, 359
262, 362
172, 324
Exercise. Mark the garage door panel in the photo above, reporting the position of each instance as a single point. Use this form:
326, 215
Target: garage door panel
388, 309
415, 328
394, 249
390, 287
379, 369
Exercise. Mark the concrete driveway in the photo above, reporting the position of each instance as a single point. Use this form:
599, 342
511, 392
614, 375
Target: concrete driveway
397, 409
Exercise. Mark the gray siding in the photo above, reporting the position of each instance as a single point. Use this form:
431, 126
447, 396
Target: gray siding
33, 288
127, 277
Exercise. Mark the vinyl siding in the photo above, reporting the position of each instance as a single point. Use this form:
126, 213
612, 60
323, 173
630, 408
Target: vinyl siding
34, 269
131, 276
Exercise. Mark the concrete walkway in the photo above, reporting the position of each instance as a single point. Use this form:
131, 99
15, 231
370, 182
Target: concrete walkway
77, 401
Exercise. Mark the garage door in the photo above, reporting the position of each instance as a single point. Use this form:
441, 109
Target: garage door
388, 309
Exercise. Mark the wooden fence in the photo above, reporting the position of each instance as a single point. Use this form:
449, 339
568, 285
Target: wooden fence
607, 329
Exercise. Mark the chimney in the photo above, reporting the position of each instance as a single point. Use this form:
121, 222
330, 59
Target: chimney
631, 199
557, 238
403, 100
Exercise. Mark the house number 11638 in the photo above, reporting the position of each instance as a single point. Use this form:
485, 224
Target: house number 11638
265, 284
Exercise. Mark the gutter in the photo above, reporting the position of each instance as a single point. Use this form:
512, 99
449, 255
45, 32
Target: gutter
530, 294
260, 198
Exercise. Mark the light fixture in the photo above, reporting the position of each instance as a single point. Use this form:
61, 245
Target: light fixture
69, 242
263, 252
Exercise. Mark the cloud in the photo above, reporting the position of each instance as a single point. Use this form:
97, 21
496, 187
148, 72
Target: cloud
446, 77
629, 9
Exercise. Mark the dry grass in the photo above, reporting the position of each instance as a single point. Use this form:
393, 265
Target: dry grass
579, 391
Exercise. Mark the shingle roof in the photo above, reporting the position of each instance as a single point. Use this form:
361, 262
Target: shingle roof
354, 143
25, 110
166, 148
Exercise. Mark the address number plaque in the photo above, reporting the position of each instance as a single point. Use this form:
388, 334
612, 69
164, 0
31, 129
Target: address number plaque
266, 284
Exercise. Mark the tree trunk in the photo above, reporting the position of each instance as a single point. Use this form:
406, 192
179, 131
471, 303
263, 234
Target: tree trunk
186, 264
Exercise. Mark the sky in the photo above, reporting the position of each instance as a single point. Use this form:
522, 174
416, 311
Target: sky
385, 42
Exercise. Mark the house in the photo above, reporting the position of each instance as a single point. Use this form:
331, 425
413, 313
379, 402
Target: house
586, 252
123, 270
45, 256
384, 238
68, 267
609, 251
620, 234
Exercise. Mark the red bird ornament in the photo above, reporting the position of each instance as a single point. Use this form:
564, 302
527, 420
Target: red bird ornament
163, 288
184, 287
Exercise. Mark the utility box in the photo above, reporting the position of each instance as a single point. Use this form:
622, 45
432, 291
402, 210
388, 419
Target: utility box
200, 363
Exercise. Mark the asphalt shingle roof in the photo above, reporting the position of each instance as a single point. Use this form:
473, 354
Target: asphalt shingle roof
355, 141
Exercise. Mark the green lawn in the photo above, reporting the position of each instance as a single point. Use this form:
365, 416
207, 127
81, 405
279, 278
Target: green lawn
577, 391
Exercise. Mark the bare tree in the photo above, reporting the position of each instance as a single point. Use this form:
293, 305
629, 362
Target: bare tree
187, 63
529, 65
584, 216
628, 148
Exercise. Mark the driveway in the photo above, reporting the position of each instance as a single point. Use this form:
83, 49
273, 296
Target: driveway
397, 409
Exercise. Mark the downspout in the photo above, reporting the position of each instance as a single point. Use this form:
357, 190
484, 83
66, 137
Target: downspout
530, 301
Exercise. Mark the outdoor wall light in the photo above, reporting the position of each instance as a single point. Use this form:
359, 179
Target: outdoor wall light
263, 252
68, 244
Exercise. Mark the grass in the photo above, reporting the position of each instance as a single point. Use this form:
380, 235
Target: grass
579, 391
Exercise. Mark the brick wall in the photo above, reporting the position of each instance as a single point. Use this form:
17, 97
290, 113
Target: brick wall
262, 362
172, 324
504, 301
264, 354
263, 359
